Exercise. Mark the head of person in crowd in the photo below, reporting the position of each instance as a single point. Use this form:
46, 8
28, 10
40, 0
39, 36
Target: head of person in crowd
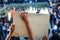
54, 10
54, 3
13, 8
58, 6
58, 9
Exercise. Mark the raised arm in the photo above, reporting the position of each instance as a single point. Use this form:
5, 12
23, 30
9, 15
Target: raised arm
24, 17
11, 30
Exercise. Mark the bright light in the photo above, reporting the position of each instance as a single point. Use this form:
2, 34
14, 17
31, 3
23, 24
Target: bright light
44, 11
30, 1
55, 27
5, 0
33, 10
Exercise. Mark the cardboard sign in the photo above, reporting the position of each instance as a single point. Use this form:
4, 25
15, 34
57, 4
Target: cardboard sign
38, 23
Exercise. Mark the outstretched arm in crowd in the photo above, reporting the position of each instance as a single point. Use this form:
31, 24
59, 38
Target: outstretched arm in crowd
24, 17
11, 30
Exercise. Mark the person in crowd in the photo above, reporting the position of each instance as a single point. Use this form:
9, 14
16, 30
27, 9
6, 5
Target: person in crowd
54, 4
1, 24
51, 20
6, 23
54, 14
9, 18
3, 16
58, 15
1, 30
58, 19
12, 14
6, 26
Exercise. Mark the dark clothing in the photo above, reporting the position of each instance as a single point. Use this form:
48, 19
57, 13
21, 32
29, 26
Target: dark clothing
51, 16
1, 24
51, 23
58, 25
58, 17
1, 35
58, 22
1, 31
3, 18
5, 33
52, 20
11, 19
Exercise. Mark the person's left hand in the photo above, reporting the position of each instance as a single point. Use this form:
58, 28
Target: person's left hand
24, 16
12, 28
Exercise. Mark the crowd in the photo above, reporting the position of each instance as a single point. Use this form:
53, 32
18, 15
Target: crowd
4, 25
54, 28
5, 22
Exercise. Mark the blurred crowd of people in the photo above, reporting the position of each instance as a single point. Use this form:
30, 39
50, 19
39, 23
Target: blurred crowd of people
5, 22
4, 25
54, 29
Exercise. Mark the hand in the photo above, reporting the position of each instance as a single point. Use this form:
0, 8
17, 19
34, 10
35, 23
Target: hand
12, 28
24, 16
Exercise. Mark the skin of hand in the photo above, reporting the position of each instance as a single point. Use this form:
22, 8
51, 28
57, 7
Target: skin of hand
11, 28
24, 17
